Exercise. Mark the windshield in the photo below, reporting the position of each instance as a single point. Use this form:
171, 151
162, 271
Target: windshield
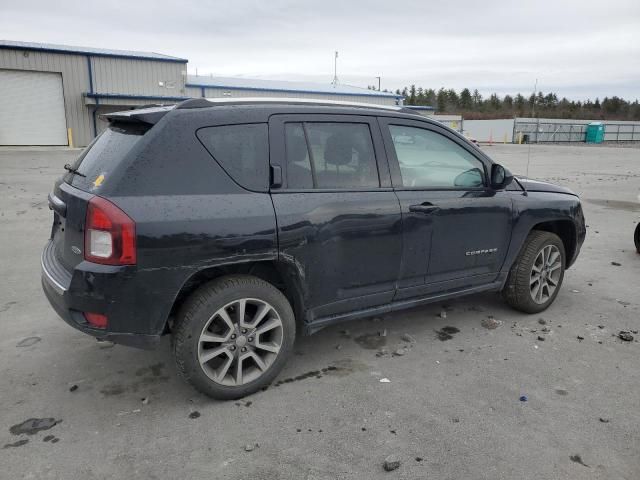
102, 156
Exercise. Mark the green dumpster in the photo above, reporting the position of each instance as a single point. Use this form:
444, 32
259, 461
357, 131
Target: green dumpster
595, 132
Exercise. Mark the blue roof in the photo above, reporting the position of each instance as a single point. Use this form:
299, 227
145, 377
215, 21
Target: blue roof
240, 83
98, 52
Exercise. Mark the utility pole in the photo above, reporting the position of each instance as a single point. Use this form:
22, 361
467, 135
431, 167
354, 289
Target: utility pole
533, 114
335, 70
378, 83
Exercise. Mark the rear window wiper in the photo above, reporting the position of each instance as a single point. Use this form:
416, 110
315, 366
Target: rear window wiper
69, 168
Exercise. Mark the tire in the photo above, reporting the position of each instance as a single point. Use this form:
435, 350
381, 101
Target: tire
210, 341
520, 290
636, 238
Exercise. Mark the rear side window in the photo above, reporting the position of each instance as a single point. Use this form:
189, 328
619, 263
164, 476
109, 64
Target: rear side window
242, 151
103, 155
330, 155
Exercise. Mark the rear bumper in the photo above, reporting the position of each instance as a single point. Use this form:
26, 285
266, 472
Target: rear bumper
72, 293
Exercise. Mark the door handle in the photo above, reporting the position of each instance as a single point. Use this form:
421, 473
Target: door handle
424, 207
276, 176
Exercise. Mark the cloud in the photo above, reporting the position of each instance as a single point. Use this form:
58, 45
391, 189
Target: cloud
577, 48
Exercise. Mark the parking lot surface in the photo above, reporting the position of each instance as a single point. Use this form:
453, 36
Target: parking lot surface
475, 390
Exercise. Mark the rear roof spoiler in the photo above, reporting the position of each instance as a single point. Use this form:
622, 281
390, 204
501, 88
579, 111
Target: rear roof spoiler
149, 115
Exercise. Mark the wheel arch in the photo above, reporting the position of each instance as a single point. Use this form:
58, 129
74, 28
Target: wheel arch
278, 274
566, 230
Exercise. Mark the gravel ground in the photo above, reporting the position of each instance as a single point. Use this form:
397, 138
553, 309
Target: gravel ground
452, 406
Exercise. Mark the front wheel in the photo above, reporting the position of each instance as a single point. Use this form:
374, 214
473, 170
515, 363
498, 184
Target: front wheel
636, 238
537, 274
233, 336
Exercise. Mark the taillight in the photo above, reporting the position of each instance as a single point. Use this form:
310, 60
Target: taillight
110, 235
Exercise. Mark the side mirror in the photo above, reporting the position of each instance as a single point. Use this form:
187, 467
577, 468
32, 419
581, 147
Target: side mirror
500, 177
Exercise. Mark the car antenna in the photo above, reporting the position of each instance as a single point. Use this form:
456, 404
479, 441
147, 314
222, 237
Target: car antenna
533, 114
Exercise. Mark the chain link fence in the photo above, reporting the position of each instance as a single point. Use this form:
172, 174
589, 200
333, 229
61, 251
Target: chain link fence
537, 131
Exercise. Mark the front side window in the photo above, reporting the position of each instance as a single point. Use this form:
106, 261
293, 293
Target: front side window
330, 155
431, 160
242, 150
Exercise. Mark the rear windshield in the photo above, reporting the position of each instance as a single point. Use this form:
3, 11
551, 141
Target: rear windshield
103, 155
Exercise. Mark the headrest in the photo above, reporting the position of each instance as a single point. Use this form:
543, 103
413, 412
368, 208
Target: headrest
339, 149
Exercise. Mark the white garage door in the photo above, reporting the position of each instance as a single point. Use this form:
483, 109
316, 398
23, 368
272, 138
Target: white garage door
31, 108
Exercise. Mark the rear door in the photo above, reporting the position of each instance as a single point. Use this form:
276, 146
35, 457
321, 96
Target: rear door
72, 193
456, 229
339, 222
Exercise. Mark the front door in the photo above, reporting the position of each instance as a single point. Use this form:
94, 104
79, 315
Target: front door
339, 222
456, 229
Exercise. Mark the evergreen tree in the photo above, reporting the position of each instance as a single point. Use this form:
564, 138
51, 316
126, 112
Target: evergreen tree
452, 100
412, 95
430, 97
477, 98
519, 103
466, 102
507, 101
441, 98
471, 105
494, 101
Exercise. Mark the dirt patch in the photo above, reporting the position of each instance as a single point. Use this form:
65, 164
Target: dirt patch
32, 426
446, 333
578, 459
19, 443
371, 341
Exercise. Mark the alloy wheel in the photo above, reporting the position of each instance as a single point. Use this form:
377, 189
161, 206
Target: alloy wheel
545, 274
240, 341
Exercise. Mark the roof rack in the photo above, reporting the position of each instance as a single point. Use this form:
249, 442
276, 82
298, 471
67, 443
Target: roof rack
211, 102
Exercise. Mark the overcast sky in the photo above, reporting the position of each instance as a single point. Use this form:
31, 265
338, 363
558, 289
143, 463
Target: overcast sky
578, 49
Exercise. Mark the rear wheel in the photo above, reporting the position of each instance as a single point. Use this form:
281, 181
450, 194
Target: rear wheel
233, 336
636, 238
537, 274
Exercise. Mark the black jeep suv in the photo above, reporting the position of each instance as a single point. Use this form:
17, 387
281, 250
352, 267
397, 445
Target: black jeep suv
234, 224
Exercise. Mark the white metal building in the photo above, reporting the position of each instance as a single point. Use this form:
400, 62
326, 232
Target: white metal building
54, 94
50, 94
225, 87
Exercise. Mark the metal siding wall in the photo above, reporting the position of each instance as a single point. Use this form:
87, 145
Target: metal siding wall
213, 92
75, 81
137, 77
494, 130
193, 92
